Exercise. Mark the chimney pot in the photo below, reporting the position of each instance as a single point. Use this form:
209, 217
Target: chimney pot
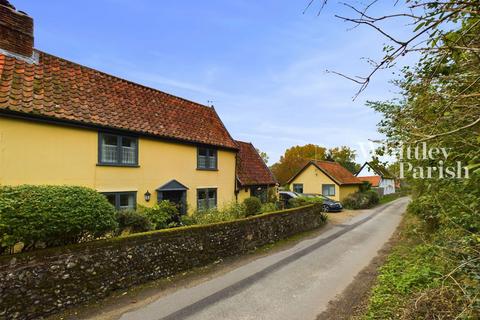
16, 31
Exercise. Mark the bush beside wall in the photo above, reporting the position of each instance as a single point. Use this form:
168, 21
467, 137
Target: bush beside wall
43, 282
361, 200
48, 216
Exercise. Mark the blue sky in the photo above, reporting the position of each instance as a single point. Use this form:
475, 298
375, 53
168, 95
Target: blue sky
262, 63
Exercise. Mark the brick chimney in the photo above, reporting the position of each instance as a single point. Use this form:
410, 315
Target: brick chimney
16, 31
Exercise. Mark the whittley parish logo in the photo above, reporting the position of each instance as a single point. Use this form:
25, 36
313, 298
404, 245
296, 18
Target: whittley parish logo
436, 156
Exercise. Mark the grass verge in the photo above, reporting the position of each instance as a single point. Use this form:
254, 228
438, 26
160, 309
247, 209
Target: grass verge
412, 284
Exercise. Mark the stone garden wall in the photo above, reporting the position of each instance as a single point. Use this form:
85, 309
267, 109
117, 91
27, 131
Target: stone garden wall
43, 282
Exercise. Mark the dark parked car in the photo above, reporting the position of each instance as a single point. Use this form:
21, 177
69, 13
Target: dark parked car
329, 205
285, 196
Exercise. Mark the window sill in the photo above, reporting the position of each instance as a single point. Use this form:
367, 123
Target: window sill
207, 169
118, 165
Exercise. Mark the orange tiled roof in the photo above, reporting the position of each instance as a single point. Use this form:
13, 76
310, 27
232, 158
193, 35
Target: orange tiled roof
337, 172
373, 180
251, 169
62, 90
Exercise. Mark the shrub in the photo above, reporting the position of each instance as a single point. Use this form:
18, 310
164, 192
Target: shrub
303, 201
188, 220
272, 196
297, 202
365, 186
132, 221
269, 207
361, 200
233, 211
426, 208
46, 216
252, 205
162, 215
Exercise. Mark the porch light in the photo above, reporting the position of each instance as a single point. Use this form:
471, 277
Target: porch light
147, 196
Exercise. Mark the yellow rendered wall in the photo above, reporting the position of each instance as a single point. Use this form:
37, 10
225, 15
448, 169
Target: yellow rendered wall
313, 179
345, 191
242, 194
37, 153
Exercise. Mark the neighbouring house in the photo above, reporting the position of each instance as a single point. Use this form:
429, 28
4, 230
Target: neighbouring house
378, 176
64, 123
254, 178
327, 178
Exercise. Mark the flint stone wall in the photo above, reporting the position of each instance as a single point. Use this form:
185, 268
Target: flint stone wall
40, 283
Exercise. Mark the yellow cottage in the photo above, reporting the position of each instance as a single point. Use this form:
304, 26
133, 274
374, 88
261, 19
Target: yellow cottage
63, 123
327, 178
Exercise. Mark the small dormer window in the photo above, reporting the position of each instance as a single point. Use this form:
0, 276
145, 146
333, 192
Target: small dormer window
207, 159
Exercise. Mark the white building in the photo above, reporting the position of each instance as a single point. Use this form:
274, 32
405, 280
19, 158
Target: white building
378, 176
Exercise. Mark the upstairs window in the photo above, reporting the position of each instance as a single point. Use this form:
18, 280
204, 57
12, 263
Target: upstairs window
298, 187
206, 199
117, 150
207, 159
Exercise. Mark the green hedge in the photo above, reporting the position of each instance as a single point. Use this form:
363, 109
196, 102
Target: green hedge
131, 221
46, 216
361, 200
162, 215
253, 206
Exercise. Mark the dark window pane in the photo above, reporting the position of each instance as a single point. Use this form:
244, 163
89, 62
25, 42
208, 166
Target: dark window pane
111, 199
110, 140
202, 194
128, 142
212, 194
203, 152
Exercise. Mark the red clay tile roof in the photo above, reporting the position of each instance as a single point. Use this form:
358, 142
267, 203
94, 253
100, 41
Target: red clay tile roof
251, 169
63, 90
337, 172
334, 170
373, 180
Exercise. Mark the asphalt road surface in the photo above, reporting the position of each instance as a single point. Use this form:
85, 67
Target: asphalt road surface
296, 283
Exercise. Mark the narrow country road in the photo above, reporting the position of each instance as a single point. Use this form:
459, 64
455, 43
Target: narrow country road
296, 283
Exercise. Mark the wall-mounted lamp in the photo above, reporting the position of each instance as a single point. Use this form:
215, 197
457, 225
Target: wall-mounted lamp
147, 196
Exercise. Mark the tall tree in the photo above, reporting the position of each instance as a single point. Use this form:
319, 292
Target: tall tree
294, 159
345, 156
263, 155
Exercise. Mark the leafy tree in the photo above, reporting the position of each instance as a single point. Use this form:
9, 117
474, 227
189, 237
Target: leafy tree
438, 106
264, 155
345, 156
296, 157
